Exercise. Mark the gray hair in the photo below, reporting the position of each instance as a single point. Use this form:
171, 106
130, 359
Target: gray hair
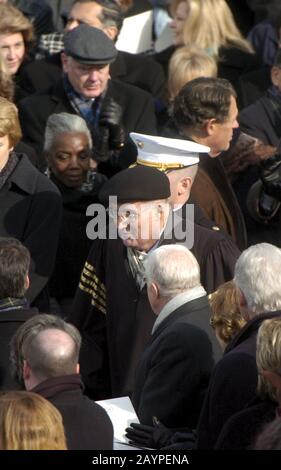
258, 276
174, 268
189, 171
64, 123
28, 331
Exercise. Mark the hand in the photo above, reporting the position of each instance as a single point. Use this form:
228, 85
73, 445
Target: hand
111, 117
270, 171
154, 437
101, 149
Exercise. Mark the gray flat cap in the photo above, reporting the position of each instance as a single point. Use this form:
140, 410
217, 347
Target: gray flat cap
89, 45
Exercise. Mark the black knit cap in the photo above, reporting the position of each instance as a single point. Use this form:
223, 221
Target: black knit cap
89, 45
140, 183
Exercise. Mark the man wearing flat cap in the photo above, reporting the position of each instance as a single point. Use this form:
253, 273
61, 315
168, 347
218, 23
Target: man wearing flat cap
111, 307
111, 109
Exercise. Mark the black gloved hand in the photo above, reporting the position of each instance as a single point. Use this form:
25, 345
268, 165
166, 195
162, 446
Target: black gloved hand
111, 117
101, 151
154, 437
270, 172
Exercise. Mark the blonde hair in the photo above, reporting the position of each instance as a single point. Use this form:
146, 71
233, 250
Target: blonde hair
210, 24
225, 317
30, 422
13, 21
187, 63
268, 355
9, 121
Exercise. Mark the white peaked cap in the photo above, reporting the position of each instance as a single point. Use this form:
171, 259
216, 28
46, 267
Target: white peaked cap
164, 153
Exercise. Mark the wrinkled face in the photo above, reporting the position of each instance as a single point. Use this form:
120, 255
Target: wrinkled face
223, 132
139, 223
84, 13
5, 149
89, 81
69, 159
177, 23
13, 50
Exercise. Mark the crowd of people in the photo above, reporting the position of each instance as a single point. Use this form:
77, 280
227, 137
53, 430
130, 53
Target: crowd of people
140, 241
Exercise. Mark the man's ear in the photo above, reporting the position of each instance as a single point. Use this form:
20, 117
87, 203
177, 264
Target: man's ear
184, 185
111, 32
27, 282
154, 289
210, 126
78, 368
242, 303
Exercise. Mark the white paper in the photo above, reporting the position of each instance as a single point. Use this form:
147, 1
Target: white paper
136, 33
122, 414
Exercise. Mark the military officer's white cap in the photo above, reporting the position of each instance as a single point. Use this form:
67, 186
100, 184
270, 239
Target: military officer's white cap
166, 154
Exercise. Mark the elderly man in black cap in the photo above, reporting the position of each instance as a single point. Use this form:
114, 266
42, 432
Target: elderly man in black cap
111, 109
111, 307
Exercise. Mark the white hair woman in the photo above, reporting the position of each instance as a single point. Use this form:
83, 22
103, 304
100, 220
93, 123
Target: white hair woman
68, 151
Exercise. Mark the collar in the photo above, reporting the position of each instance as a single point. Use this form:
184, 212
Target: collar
50, 387
176, 302
24, 175
250, 327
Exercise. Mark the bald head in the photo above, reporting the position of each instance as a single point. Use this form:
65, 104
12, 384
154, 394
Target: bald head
52, 353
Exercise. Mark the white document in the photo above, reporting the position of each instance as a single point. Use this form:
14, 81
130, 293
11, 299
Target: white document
122, 414
136, 33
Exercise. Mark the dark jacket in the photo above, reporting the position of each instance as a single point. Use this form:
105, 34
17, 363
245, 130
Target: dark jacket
213, 192
30, 210
137, 105
134, 69
87, 425
110, 310
242, 429
74, 245
233, 382
263, 119
10, 321
175, 367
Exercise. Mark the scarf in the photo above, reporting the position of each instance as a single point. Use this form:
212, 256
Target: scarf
8, 169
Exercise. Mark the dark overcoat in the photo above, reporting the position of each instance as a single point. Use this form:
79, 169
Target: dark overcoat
10, 321
175, 367
115, 317
233, 382
137, 105
30, 210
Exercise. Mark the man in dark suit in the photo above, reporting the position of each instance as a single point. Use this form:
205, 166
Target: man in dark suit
44, 353
205, 112
134, 69
233, 382
175, 367
111, 109
14, 307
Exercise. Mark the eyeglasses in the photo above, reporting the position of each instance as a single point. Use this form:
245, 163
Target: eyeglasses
128, 214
